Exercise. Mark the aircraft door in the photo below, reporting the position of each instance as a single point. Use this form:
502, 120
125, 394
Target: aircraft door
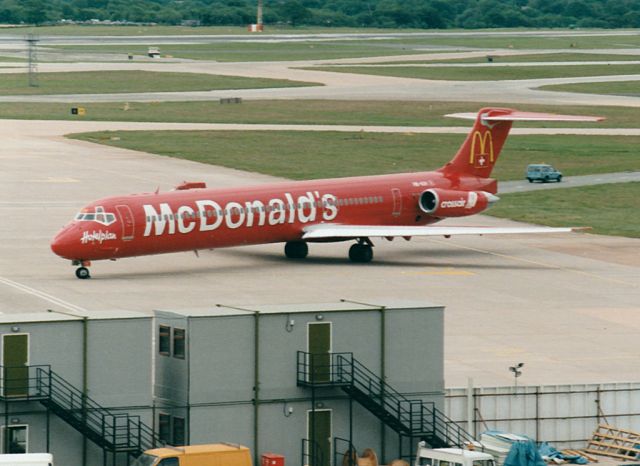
128, 224
397, 202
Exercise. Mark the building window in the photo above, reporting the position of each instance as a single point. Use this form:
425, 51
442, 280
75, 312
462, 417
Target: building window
178, 431
165, 340
164, 428
178, 343
16, 438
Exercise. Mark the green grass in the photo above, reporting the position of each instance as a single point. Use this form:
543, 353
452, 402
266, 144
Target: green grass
99, 82
487, 73
525, 58
311, 155
254, 51
628, 88
98, 30
605, 208
324, 112
533, 42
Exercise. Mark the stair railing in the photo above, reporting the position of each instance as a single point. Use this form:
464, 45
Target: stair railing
409, 417
116, 432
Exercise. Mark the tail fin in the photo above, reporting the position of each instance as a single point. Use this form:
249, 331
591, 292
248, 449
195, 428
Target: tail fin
480, 151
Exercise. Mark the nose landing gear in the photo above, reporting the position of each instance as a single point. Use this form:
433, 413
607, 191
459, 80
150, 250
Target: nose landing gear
82, 272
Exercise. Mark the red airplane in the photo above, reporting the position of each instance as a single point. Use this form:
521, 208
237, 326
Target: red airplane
193, 217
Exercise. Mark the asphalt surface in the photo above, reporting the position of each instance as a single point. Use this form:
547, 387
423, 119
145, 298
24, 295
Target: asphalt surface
563, 304
566, 305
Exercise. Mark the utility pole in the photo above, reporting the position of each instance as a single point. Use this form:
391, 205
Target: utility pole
32, 41
259, 21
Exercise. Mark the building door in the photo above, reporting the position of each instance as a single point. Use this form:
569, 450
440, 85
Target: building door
15, 359
397, 202
319, 435
319, 348
126, 217
14, 439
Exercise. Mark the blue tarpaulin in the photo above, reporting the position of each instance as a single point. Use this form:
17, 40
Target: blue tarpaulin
524, 454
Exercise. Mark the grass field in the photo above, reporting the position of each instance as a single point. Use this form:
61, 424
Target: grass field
256, 51
324, 112
605, 208
629, 88
98, 30
100, 82
487, 73
533, 57
310, 155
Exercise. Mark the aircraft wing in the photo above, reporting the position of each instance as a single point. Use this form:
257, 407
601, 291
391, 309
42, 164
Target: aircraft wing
329, 230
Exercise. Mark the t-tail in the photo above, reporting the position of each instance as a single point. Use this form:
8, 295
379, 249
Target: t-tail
480, 151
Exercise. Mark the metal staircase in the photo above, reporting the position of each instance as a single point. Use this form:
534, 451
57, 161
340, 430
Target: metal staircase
113, 432
415, 419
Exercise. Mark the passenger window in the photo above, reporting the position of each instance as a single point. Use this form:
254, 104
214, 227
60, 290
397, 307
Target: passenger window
425, 462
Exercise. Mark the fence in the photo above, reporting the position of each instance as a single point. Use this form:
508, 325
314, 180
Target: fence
564, 415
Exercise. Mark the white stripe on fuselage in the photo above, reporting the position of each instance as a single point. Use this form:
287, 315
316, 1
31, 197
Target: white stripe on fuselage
208, 215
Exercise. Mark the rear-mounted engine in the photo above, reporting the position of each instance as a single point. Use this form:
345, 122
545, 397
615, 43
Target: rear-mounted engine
452, 203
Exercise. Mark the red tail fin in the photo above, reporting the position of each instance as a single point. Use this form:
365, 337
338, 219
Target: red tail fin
480, 151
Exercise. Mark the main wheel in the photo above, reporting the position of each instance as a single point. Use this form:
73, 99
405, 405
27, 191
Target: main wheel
559, 178
82, 273
530, 180
361, 253
296, 249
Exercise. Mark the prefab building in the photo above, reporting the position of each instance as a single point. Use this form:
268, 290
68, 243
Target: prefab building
74, 386
310, 382
305, 381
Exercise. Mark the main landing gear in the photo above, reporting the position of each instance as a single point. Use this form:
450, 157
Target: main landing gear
361, 252
82, 272
296, 249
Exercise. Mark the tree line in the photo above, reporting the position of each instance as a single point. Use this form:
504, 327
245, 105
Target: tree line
429, 14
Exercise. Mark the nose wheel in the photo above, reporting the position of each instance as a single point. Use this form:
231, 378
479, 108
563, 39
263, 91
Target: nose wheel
83, 273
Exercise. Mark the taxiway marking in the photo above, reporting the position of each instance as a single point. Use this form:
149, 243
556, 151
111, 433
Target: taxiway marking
42, 295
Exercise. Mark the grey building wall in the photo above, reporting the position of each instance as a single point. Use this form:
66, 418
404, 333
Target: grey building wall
222, 372
119, 376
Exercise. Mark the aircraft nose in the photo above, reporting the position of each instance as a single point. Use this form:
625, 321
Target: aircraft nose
63, 244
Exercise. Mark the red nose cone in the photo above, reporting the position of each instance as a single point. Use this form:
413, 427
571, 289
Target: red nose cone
63, 244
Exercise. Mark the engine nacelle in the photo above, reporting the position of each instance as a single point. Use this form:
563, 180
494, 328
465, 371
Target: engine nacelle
451, 203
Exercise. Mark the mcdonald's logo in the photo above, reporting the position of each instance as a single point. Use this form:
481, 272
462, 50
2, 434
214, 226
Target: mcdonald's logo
481, 149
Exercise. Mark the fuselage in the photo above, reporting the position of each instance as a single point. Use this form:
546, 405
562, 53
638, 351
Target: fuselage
203, 218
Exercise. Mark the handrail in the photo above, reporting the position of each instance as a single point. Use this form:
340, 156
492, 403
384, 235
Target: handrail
410, 417
112, 431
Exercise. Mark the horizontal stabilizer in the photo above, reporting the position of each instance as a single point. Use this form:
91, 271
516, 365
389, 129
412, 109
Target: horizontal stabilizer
516, 115
327, 230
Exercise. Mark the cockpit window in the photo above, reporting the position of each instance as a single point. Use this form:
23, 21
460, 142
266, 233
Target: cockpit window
99, 216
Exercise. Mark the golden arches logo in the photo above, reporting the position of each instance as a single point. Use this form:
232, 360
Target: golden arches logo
481, 147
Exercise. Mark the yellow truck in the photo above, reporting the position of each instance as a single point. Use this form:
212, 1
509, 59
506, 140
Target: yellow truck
213, 454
